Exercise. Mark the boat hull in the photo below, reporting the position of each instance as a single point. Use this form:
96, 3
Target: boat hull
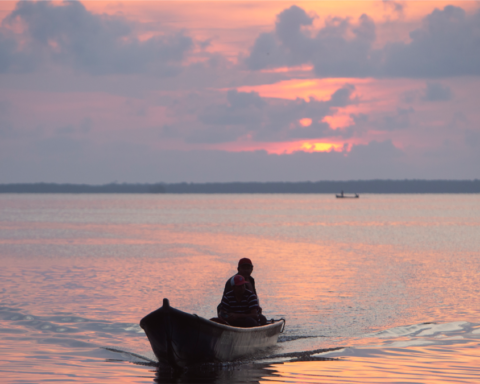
180, 339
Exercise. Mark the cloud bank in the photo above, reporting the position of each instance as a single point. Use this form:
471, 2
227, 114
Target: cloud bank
69, 35
267, 119
446, 44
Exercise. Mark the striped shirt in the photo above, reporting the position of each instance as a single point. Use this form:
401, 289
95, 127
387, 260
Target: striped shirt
230, 284
230, 304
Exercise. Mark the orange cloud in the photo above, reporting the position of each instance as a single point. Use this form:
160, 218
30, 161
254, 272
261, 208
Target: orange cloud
321, 147
306, 122
338, 121
288, 147
320, 89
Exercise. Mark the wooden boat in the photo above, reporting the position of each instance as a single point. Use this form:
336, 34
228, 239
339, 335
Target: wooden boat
180, 339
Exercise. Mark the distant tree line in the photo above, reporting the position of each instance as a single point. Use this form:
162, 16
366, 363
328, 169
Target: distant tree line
82, 188
352, 186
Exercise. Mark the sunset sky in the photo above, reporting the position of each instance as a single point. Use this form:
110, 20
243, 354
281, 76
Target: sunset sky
133, 91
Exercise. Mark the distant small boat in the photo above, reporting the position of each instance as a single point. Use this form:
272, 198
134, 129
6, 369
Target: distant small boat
180, 339
343, 196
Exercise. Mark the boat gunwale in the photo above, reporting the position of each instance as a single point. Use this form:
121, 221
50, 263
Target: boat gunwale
236, 329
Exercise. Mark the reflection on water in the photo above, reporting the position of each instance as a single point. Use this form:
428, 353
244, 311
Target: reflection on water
78, 272
458, 364
235, 374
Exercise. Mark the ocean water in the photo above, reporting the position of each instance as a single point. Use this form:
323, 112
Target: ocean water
391, 280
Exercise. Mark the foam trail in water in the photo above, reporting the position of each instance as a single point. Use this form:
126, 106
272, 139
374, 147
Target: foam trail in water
134, 357
416, 335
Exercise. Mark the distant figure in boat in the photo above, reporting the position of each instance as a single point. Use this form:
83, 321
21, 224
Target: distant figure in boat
343, 196
245, 269
239, 307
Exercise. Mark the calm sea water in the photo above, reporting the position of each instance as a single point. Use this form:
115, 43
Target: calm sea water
394, 279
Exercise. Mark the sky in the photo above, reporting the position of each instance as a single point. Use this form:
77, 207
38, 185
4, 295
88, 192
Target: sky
221, 91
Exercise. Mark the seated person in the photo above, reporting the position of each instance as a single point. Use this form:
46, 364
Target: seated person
239, 307
245, 269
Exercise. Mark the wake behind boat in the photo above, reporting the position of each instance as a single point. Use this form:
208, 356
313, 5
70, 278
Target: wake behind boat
180, 339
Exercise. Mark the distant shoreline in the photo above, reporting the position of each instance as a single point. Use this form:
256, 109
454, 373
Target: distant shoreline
320, 187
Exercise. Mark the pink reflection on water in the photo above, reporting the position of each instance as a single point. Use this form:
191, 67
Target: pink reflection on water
428, 365
338, 272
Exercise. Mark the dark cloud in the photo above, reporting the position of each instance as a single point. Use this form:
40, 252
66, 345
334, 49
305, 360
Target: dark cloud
446, 44
268, 119
437, 92
239, 100
287, 45
288, 29
343, 96
241, 108
11, 58
332, 51
359, 118
266, 53
343, 47
400, 120
68, 34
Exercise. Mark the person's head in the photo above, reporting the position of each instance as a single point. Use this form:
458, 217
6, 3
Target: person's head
245, 267
239, 284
